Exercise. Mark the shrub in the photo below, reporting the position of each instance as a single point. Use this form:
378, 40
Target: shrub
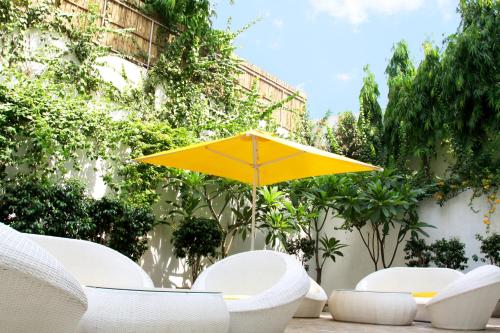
195, 239
449, 253
417, 253
64, 210
490, 247
121, 226
40, 207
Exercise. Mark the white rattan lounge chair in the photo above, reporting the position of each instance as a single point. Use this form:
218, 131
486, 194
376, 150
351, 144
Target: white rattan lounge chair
36, 293
270, 286
122, 298
313, 303
95, 265
468, 302
429, 280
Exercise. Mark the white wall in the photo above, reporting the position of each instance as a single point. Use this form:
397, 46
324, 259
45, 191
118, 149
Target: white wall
454, 219
356, 262
457, 219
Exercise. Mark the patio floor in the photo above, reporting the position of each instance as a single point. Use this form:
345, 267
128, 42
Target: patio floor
326, 324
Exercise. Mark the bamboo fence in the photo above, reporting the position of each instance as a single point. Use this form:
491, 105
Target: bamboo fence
146, 38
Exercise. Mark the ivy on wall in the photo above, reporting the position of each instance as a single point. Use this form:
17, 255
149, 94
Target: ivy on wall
58, 117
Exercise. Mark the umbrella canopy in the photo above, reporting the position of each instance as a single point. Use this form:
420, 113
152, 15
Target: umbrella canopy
256, 158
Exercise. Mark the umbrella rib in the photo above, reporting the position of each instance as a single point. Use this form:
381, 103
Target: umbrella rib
228, 156
282, 158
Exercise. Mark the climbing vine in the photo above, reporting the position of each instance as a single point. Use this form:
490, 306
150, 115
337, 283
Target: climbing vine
59, 118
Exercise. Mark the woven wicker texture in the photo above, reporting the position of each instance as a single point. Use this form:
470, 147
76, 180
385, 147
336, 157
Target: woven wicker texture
468, 302
372, 307
313, 303
132, 311
93, 264
276, 283
36, 293
413, 280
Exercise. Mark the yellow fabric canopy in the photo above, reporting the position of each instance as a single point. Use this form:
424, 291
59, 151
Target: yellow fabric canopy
256, 158
276, 159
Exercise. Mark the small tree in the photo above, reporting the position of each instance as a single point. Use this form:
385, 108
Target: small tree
449, 254
370, 117
312, 207
374, 205
196, 239
296, 217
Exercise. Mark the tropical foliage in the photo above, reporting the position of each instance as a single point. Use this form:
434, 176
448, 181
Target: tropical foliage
377, 205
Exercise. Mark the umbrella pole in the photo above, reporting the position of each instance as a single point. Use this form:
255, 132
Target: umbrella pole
254, 197
254, 189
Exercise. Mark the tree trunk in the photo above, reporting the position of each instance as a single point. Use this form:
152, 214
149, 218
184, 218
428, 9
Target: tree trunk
319, 271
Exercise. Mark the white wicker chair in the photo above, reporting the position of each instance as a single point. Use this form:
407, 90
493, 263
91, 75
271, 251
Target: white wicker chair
410, 279
313, 303
93, 264
36, 293
468, 302
125, 300
274, 282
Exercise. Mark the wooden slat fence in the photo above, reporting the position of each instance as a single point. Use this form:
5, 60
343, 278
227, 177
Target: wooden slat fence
147, 38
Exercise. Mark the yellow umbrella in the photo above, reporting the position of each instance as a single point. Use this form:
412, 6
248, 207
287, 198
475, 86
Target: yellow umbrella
256, 158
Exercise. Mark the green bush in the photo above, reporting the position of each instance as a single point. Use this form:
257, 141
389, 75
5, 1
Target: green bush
490, 247
195, 239
122, 226
64, 210
449, 253
417, 253
40, 207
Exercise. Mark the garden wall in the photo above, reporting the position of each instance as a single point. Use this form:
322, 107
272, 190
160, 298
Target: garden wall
455, 218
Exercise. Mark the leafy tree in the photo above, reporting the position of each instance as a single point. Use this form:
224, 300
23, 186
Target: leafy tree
469, 84
422, 121
312, 206
214, 197
374, 205
122, 226
449, 253
195, 239
183, 14
41, 207
348, 139
370, 117
400, 72
302, 248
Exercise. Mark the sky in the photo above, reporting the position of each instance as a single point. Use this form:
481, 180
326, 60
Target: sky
321, 46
